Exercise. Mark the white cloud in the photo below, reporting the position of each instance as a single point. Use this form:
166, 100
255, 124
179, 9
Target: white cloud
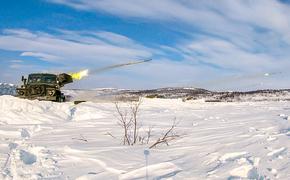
18, 66
16, 61
216, 17
230, 56
249, 33
72, 50
115, 38
72, 47
44, 56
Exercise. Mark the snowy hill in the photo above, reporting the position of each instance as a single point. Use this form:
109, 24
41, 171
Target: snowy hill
233, 140
212, 96
176, 93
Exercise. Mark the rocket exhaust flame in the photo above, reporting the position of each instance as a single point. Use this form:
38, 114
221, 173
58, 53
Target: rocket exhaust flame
81, 74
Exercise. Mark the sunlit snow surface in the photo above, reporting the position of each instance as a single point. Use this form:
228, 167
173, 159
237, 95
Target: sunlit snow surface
46, 140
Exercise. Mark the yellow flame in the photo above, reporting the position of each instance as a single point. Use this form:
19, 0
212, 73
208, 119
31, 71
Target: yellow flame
80, 75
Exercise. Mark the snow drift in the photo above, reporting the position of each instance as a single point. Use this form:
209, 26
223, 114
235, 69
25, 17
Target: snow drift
14, 110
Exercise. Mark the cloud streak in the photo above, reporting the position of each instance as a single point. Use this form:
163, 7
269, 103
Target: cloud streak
224, 16
72, 47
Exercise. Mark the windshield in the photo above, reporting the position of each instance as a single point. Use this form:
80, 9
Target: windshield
48, 79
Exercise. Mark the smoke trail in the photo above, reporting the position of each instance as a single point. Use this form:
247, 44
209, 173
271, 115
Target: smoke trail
95, 71
83, 73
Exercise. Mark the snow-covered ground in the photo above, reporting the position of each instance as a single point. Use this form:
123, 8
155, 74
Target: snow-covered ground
46, 140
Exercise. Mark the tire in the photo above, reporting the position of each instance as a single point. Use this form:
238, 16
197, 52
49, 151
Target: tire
58, 96
58, 99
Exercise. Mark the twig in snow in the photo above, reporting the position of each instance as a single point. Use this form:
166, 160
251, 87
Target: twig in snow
81, 139
111, 135
166, 137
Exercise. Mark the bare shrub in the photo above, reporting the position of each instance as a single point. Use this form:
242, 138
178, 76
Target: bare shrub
128, 120
133, 132
125, 122
135, 106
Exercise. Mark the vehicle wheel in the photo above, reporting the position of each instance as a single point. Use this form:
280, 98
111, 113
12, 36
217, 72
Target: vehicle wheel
58, 99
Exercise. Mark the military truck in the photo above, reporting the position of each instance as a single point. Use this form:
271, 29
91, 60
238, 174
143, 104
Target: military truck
44, 86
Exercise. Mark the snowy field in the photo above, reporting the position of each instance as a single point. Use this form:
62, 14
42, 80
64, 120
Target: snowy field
46, 140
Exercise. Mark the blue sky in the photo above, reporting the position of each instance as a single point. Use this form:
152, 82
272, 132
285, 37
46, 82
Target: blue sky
224, 45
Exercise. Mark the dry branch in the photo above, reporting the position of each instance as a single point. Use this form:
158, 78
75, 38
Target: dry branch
81, 138
168, 136
110, 134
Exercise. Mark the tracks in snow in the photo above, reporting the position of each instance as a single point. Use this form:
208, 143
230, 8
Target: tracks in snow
245, 165
27, 161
